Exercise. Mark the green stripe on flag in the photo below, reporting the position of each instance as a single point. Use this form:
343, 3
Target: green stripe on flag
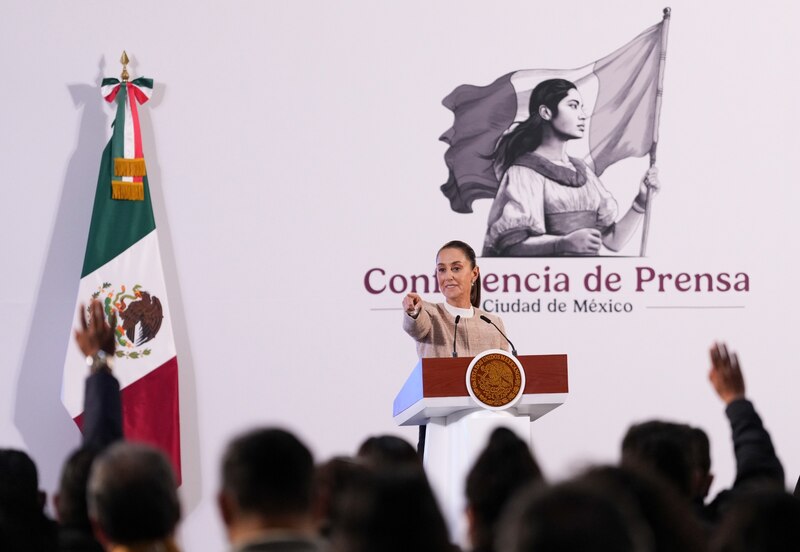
118, 138
116, 225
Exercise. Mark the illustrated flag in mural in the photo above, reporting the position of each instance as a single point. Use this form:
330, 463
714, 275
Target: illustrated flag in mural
122, 269
619, 93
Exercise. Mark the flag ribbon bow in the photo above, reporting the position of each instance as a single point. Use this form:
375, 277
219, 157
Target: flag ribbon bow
126, 141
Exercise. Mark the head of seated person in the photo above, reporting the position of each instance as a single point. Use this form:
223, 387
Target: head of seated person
19, 481
660, 511
504, 467
332, 479
132, 497
391, 511
387, 452
23, 524
570, 517
70, 500
267, 478
663, 448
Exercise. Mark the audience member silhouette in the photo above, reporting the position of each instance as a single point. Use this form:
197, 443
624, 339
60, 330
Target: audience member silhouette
702, 478
132, 498
265, 500
571, 517
504, 467
669, 519
391, 511
102, 426
760, 521
102, 413
757, 465
75, 530
679, 453
23, 524
388, 452
331, 480
664, 448
122, 497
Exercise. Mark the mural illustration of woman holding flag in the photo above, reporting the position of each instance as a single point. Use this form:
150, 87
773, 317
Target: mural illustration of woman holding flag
508, 142
550, 204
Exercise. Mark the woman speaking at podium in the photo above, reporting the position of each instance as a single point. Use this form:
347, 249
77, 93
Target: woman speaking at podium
457, 326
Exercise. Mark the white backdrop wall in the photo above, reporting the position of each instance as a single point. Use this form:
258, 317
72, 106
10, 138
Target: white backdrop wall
293, 146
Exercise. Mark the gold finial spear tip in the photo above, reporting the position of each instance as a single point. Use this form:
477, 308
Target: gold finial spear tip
124, 61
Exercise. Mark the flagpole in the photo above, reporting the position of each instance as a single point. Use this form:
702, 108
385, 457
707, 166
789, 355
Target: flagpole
657, 116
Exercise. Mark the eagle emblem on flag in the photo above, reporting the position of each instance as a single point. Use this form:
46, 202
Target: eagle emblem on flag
139, 316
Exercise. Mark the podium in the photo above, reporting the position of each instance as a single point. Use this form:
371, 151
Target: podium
458, 427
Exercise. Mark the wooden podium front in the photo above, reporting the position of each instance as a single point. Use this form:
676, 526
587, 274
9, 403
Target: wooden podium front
437, 387
458, 427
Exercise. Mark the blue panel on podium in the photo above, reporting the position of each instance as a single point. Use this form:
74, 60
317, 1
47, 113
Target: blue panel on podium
411, 391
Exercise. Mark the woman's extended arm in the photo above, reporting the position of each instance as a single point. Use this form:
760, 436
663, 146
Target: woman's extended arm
416, 320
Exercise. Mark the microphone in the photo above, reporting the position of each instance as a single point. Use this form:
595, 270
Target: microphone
455, 333
488, 321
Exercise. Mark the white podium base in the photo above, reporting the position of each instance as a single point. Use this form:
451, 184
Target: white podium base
452, 444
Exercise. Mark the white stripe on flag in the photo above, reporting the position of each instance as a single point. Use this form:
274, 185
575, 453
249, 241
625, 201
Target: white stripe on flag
129, 146
139, 264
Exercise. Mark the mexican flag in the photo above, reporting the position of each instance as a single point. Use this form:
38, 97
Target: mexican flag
122, 269
620, 91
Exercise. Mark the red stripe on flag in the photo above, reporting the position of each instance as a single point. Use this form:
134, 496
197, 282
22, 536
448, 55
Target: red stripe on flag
151, 414
137, 134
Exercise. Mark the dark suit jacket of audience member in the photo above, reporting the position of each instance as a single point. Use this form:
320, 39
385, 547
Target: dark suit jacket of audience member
756, 461
75, 540
102, 426
102, 411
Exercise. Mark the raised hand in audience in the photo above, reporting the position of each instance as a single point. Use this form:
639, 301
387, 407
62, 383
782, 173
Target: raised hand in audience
95, 334
757, 465
725, 374
102, 402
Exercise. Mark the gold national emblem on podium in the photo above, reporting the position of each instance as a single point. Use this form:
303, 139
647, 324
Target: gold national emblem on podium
495, 379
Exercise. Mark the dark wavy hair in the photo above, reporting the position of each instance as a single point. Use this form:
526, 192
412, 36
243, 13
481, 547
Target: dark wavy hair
475, 291
390, 511
504, 467
268, 472
527, 136
132, 493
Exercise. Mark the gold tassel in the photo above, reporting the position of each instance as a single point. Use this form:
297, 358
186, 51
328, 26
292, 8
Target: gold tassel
129, 167
131, 191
